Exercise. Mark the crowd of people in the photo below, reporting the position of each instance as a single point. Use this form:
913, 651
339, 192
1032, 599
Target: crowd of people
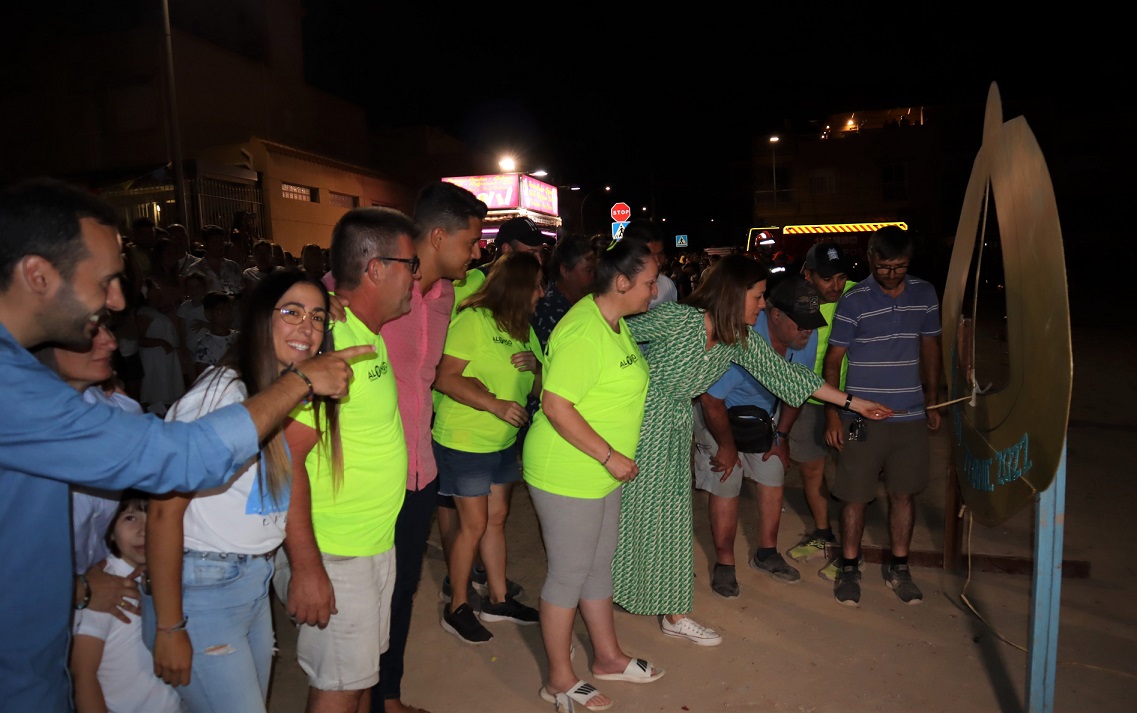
318, 417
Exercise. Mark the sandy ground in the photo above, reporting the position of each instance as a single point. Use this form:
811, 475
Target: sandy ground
793, 648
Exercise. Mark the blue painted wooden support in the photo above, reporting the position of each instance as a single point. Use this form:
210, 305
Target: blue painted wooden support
1049, 521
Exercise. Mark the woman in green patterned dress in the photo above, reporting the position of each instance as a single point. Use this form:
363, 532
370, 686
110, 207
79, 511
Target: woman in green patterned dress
689, 345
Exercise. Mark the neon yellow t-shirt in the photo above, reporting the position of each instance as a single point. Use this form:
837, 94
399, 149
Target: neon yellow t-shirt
465, 287
474, 337
359, 520
827, 311
605, 376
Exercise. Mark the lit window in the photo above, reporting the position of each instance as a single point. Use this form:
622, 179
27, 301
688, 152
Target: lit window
298, 193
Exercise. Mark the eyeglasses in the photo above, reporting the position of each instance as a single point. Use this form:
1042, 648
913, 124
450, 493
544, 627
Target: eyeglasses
412, 261
296, 316
886, 269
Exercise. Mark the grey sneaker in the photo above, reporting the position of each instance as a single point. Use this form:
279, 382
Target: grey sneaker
776, 566
848, 587
810, 546
724, 583
480, 582
832, 568
472, 597
899, 579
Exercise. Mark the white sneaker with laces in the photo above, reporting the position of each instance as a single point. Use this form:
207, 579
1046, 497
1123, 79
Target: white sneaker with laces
688, 628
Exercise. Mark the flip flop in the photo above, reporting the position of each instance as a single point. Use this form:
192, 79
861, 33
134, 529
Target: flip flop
637, 671
581, 692
563, 704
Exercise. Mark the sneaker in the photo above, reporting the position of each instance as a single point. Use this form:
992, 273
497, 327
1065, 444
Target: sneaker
848, 587
688, 628
776, 566
899, 579
509, 610
724, 583
481, 583
832, 568
464, 624
472, 597
810, 546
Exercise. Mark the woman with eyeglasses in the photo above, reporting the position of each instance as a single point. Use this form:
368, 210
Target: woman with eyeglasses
490, 365
207, 614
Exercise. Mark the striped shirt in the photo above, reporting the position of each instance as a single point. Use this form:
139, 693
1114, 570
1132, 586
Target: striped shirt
882, 335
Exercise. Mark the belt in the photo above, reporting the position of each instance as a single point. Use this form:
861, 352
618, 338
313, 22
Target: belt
226, 556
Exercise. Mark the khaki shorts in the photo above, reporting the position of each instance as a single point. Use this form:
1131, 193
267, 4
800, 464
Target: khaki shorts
769, 472
807, 437
898, 453
344, 656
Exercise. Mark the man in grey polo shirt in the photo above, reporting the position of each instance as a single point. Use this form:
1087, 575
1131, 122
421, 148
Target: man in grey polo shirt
889, 327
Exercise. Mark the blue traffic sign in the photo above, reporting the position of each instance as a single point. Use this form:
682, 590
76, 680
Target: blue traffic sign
618, 229
680, 241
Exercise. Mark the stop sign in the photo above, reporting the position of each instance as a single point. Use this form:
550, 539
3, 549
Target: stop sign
621, 212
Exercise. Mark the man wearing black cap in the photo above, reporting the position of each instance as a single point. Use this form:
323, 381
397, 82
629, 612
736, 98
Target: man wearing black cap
788, 324
826, 269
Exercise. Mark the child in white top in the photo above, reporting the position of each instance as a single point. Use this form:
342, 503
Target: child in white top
111, 668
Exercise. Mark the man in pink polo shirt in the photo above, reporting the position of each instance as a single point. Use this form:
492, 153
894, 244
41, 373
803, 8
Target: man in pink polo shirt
449, 220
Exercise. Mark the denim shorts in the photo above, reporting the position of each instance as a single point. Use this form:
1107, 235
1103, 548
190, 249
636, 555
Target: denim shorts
469, 475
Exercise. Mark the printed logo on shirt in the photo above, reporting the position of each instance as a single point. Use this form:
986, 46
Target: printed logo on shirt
503, 340
628, 361
378, 371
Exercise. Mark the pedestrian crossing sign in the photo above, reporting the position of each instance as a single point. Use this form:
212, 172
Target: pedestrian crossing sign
680, 241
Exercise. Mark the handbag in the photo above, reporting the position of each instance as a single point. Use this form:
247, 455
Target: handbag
752, 428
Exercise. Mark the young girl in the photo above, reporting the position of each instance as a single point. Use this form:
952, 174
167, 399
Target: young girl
110, 666
208, 616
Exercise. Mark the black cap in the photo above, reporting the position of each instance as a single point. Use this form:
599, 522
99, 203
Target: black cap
800, 302
520, 230
826, 259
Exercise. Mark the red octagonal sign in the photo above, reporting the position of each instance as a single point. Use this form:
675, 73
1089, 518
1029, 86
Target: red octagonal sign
621, 212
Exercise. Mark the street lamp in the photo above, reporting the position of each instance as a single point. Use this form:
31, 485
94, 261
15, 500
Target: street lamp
774, 167
585, 200
507, 164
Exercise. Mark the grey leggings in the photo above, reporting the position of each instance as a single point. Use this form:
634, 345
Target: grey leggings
580, 542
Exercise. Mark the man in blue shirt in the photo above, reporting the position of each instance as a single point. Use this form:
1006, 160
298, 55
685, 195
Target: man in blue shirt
788, 324
60, 270
889, 327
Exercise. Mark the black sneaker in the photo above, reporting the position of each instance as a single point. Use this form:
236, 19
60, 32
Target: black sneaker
724, 582
899, 579
848, 587
464, 624
480, 581
509, 610
776, 566
472, 597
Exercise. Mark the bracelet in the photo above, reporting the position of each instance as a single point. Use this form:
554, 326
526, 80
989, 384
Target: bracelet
311, 391
781, 435
848, 402
87, 596
607, 457
180, 626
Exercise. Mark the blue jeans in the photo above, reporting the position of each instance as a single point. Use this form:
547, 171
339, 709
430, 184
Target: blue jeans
226, 599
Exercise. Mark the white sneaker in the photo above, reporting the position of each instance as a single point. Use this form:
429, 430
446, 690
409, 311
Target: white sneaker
688, 628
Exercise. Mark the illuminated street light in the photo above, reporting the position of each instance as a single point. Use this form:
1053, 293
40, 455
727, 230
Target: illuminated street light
507, 164
774, 167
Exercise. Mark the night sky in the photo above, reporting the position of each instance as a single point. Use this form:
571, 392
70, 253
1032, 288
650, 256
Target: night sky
666, 108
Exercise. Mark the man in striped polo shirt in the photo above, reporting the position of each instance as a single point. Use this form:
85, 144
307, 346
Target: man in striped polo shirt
889, 327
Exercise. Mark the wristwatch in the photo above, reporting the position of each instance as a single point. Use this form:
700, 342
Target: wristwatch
781, 435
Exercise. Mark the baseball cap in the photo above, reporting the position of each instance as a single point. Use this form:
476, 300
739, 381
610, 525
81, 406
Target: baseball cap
826, 259
520, 230
798, 299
